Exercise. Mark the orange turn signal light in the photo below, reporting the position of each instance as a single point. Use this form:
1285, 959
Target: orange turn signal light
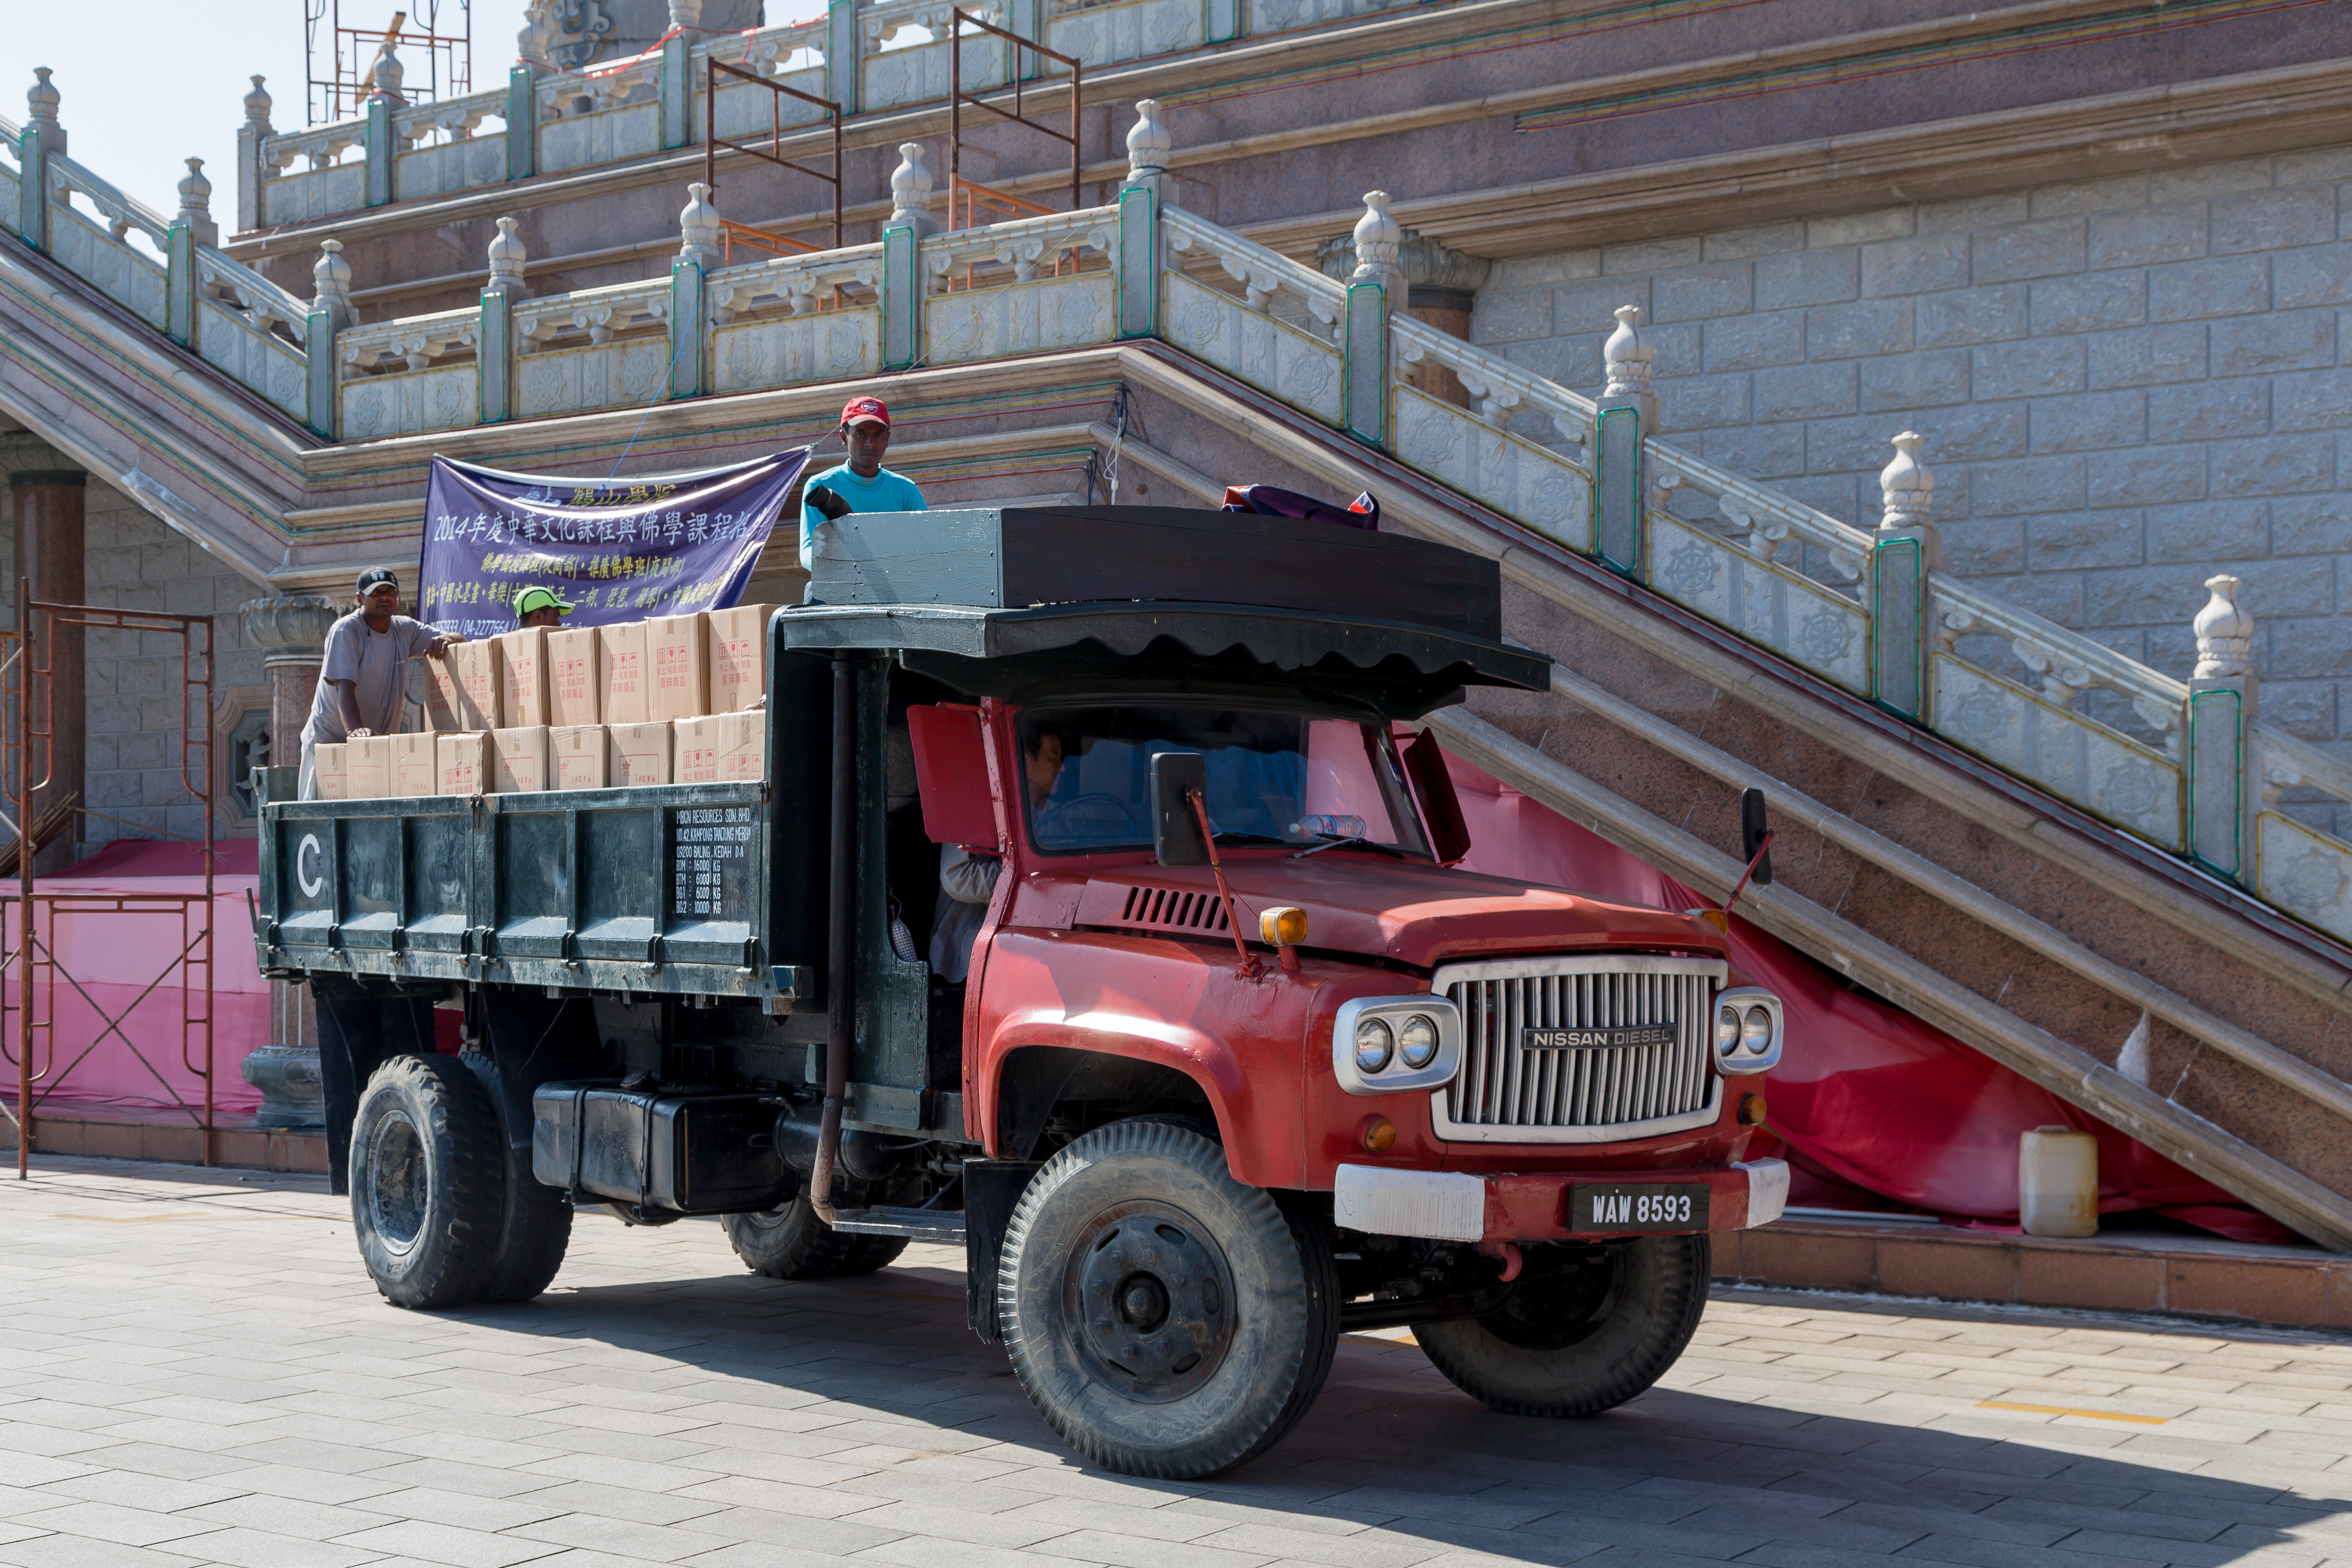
1751, 1110
1285, 925
1380, 1135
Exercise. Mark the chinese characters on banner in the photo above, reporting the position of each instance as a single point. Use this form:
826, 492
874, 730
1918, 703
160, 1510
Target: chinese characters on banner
616, 550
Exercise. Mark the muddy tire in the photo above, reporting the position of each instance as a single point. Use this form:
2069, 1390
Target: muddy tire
1165, 1318
870, 1254
537, 1224
428, 1180
791, 1243
1578, 1342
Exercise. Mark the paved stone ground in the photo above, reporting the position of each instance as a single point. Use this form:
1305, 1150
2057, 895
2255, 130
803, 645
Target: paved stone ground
195, 1369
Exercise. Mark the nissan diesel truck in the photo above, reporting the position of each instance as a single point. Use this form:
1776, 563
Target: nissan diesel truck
1225, 1053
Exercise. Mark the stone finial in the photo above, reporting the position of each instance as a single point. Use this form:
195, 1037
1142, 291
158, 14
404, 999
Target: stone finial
507, 259
1907, 486
686, 12
332, 275
1147, 145
256, 110
41, 101
196, 204
1628, 355
2225, 633
911, 191
385, 73
697, 227
536, 33
1378, 239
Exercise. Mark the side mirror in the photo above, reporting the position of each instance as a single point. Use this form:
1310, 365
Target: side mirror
1441, 808
1753, 827
1175, 832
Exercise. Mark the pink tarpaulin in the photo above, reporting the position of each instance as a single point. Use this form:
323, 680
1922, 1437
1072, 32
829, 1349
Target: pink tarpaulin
1868, 1097
108, 962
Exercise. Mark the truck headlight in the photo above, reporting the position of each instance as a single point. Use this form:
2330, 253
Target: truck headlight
1386, 1045
1749, 1026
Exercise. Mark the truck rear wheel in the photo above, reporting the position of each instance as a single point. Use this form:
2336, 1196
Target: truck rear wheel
537, 1224
1165, 1318
793, 1243
428, 1179
1580, 1340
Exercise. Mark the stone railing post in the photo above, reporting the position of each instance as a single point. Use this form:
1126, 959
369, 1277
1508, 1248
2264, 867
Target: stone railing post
522, 121
1223, 21
689, 324
494, 342
192, 225
386, 75
1625, 413
1374, 288
331, 312
251, 169
1906, 547
844, 60
41, 136
2222, 767
1440, 284
292, 630
909, 224
675, 86
1137, 273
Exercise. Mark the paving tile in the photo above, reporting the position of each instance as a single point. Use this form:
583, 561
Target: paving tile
449, 1544
112, 1521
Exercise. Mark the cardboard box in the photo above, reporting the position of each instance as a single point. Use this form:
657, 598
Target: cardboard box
414, 769
462, 763
640, 754
575, 678
368, 760
677, 653
721, 748
577, 756
518, 759
621, 645
522, 677
445, 699
738, 656
331, 771
475, 667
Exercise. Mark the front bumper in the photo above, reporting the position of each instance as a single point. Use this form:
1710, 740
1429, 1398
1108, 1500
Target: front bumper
1452, 1205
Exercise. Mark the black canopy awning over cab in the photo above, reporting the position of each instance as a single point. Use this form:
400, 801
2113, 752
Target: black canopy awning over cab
997, 601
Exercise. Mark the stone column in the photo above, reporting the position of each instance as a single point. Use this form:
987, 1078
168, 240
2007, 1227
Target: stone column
293, 630
2224, 797
1441, 285
49, 534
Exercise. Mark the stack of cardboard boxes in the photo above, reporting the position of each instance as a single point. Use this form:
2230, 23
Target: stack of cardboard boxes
665, 700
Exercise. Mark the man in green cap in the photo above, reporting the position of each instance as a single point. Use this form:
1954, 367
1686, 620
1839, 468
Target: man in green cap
536, 607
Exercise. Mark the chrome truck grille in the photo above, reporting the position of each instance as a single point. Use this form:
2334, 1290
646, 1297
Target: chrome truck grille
1526, 1074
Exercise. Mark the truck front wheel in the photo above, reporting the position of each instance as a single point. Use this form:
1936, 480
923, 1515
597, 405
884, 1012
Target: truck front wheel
1581, 1338
1165, 1318
428, 1181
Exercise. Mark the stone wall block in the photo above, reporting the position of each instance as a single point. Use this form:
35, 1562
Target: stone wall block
1980, 432
1864, 326
1860, 228
1916, 381
1805, 392
2210, 411
1584, 307
2099, 196
1858, 443
2054, 596
2315, 274
1512, 315
2280, 340
2312, 400
1807, 278
2074, 541
2097, 301
2204, 531
2028, 251
1719, 289
2028, 485
2035, 369
1542, 272
2148, 356
1980, 547
2147, 235
1650, 256
2304, 708
1915, 266
1752, 342
1965, 316
2274, 220
1705, 402
2277, 465
2311, 525
1746, 244
1769, 452
2090, 423
2197, 290
2152, 476
2210, 179
1972, 211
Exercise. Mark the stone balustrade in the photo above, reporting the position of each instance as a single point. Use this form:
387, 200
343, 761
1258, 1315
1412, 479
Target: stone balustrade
1866, 608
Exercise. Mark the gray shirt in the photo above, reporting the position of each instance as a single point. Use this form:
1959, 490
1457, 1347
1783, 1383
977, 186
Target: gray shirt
967, 882
376, 664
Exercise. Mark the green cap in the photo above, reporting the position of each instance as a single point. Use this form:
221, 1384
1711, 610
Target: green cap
531, 599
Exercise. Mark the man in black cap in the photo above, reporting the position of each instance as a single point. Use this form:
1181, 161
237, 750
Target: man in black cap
364, 680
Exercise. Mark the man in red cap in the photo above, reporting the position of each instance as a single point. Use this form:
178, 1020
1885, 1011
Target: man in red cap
862, 482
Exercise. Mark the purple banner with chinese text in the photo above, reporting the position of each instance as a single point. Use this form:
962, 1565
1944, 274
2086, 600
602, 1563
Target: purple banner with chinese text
616, 550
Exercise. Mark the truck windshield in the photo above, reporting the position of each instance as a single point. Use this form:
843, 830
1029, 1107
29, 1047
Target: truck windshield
1273, 778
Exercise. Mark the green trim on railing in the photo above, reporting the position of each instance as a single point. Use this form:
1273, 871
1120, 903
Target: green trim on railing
1617, 490
522, 122
494, 361
690, 330
1364, 363
2217, 718
180, 286
1899, 620
33, 189
1136, 275
319, 350
379, 150
901, 293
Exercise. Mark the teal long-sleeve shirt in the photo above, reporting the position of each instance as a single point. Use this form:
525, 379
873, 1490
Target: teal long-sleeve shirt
885, 491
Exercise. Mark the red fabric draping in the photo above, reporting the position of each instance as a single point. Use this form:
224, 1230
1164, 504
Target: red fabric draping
1868, 1100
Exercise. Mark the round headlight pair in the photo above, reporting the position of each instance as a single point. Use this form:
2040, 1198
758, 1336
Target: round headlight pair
1750, 1031
1415, 1041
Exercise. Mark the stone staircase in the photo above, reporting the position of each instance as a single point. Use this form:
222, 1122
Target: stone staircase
2077, 864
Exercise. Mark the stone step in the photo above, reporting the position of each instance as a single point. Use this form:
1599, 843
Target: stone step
127, 1134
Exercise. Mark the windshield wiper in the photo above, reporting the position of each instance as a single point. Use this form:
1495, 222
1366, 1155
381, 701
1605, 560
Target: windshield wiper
1359, 841
1250, 838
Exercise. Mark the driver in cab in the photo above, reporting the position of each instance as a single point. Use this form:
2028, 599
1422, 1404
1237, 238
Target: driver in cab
968, 876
